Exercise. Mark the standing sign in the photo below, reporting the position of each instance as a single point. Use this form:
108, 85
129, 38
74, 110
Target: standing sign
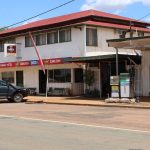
114, 82
10, 50
125, 84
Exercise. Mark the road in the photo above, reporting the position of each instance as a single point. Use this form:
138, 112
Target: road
65, 127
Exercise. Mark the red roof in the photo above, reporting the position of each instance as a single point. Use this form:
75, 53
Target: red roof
65, 18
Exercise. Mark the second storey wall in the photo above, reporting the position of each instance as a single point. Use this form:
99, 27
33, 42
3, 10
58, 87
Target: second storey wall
74, 48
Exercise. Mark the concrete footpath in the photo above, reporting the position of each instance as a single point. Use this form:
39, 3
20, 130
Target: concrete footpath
83, 101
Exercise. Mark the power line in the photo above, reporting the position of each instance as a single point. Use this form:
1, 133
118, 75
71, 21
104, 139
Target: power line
38, 14
144, 17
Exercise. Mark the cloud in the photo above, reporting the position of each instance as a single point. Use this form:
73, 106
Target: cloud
111, 5
31, 20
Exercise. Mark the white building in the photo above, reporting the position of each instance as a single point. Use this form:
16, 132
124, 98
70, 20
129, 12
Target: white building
76, 35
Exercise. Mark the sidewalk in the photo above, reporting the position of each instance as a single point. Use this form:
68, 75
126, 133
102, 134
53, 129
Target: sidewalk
83, 101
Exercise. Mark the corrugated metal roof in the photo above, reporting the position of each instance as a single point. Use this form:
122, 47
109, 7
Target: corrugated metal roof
117, 26
65, 18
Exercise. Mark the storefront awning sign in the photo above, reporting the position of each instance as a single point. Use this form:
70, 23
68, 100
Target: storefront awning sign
31, 63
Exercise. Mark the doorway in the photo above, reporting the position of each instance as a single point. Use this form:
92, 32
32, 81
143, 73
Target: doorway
19, 78
105, 78
42, 81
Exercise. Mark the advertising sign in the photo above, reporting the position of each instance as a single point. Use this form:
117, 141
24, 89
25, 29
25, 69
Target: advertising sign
125, 85
10, 50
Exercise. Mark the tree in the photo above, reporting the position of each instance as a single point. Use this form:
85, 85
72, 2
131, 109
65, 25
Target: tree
89, 78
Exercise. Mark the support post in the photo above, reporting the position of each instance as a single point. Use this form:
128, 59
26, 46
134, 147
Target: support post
46, 83
100, 89
117, 71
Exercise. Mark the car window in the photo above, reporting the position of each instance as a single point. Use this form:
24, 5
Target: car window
2, 83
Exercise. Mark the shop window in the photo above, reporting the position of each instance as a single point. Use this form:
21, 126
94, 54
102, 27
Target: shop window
91, 37
51, 76
52, 37
40, 39
78, 75
59, 75
65, 35
8, 76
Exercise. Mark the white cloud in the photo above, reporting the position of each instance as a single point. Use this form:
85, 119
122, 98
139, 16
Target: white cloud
31, 20
110, 5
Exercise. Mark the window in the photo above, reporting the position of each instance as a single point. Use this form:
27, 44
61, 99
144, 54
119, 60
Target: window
91, 37
2, 83
28, 42
40, 39
140, 34
8, 76
65, 35
59, 75
51, 76
11, 41
52, 37
78, 75
1, 47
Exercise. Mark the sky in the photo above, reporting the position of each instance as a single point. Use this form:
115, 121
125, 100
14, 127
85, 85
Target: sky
13, 11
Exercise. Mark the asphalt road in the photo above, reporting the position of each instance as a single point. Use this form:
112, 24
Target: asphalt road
20, 134
64, 127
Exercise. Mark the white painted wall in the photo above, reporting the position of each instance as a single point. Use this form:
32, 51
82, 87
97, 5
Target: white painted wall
146, 72
74, 48
102, 48
31, 76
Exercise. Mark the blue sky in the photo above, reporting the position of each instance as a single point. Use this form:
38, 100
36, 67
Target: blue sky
16, 10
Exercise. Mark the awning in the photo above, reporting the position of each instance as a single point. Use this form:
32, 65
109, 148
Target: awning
103, 58
137, 43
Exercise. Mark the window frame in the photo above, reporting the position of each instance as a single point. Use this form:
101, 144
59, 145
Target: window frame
28, 45
1, 47
70, 35
53, 31
54, 77
95, 44
12, 79
41, 39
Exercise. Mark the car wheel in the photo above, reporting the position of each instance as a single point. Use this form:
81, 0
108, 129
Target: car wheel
18, 97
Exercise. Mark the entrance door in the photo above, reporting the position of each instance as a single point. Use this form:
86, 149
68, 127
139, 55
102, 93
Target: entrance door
42, 81
105, 79
19, 78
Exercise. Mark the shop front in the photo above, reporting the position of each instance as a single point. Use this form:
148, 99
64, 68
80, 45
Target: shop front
59, 75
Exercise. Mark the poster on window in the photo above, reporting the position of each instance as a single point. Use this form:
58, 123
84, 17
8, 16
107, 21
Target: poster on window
10, 50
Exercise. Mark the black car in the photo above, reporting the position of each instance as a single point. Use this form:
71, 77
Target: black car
12, 93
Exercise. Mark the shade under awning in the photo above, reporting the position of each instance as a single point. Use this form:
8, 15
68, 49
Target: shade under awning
102, 58
137, 43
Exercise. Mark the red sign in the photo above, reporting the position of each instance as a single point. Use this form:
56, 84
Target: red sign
11, 49
30, 63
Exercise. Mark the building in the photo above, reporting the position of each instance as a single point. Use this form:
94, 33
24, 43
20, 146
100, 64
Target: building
77, 35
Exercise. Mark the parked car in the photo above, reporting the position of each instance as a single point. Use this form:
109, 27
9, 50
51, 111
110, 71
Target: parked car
12, 93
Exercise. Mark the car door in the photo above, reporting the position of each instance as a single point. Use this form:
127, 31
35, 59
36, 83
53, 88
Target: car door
3, 89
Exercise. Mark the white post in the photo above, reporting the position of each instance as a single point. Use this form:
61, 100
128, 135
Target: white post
47, 83
100, 89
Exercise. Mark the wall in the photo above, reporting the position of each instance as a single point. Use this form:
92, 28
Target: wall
102, 48
75, 48
146, 72
31, 76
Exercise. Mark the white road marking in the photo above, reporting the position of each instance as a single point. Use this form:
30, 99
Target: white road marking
75, 124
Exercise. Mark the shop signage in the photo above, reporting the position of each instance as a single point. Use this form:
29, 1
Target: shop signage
10, 49
31, 63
